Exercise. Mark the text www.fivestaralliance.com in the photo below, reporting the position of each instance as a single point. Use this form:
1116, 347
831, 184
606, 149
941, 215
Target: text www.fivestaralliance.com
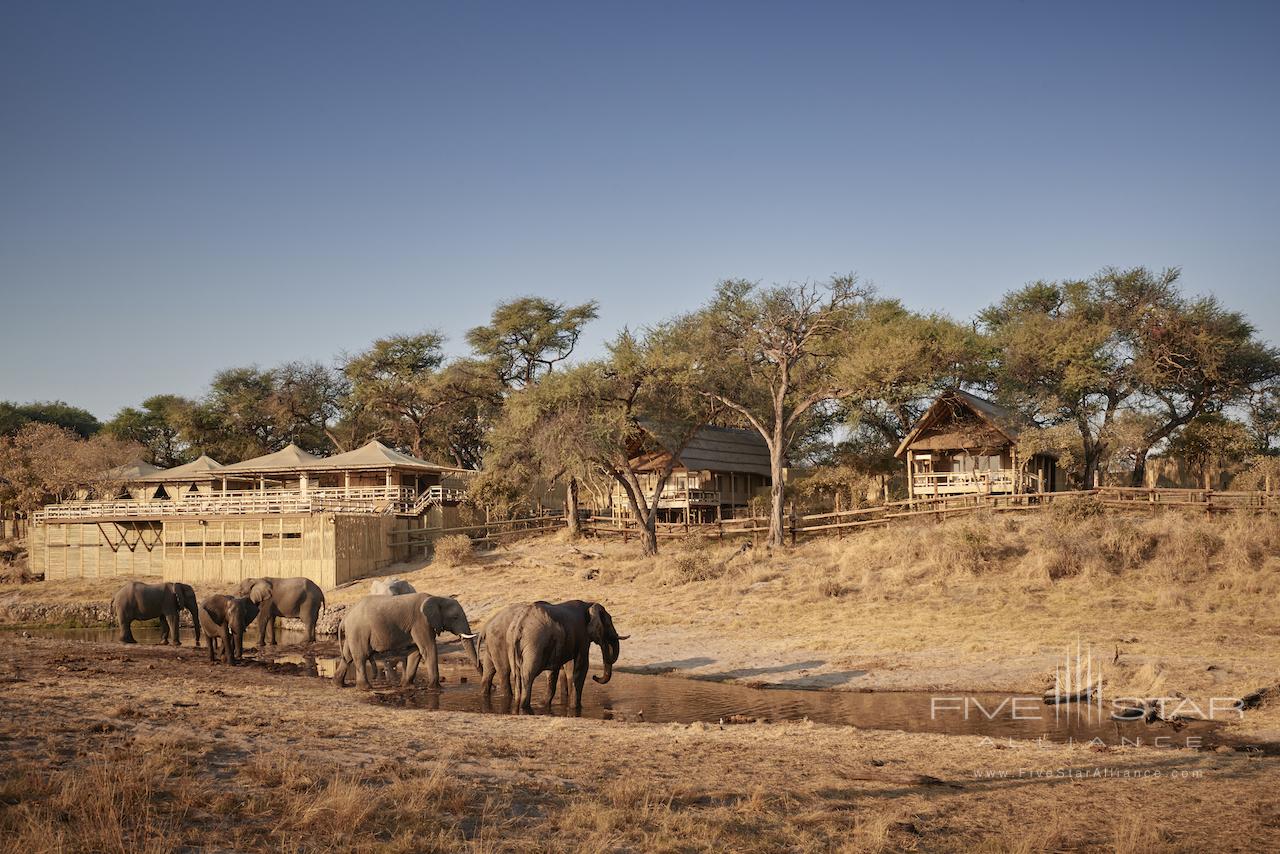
1085, 773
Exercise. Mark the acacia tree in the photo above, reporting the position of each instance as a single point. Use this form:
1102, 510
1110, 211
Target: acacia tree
773, 357
158, 427
1065, 350
524, 341
527, 337
1083, 352
600, 417
1193, 358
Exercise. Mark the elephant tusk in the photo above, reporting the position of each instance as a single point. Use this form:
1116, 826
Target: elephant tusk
469, 637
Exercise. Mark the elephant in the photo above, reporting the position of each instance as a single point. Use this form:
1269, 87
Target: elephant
495, 656
390, 587
138, 601
225, 618
283, 597
378, 624
547, 637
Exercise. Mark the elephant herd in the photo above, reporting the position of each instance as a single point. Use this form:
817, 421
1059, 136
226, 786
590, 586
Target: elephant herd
223, 618
515, 646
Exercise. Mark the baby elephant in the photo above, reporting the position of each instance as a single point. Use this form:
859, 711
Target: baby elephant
224, 618
391, 587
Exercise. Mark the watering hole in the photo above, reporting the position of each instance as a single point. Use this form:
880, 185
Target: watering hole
633, 697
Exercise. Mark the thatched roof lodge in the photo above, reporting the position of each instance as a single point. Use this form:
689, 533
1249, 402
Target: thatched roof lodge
714, 477
966, 445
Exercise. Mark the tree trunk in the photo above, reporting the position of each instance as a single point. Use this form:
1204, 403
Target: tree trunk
1092, 460
571, 508
649, 534
1139, 476
777, 494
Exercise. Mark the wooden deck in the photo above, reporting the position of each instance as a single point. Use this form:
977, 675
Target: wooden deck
377, 500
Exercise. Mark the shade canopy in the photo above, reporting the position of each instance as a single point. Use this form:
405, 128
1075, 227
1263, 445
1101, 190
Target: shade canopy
134, 471
287, 459
376, 455
203, 468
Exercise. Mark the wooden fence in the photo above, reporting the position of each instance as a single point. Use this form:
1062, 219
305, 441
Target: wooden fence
838, 522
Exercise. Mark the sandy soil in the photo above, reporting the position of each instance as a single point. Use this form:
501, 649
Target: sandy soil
106, 747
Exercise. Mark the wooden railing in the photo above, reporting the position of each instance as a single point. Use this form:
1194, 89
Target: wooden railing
358, 499
965, 482
674, 496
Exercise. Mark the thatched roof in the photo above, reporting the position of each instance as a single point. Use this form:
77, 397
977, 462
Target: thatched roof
286, 459
958, 420
376, 455
719, 449
198, 469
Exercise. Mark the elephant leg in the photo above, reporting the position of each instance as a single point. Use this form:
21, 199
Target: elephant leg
264, 617
361, 663
527, 678
340, 669
580, 668
126, 630
486, 681
172, 620
553, 677
312, 618
273, 626
411, 668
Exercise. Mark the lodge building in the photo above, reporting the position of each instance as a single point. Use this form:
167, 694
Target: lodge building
966, 445
284, 513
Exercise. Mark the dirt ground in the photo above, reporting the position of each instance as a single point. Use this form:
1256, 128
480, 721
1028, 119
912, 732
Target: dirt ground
149, 748
105, 747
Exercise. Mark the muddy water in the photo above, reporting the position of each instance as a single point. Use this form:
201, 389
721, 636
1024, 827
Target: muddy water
663, 699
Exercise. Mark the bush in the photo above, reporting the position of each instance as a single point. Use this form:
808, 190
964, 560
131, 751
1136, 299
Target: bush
453, 550
968, 546
695, 562
1076, 508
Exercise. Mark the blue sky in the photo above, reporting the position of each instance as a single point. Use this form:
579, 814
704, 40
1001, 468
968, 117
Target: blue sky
186, 187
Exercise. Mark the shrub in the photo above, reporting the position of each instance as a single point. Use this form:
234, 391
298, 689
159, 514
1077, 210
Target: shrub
453, 550
1076, 508
692, 564
967, 547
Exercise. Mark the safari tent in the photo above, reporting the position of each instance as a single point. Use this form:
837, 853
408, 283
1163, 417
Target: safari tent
967, 445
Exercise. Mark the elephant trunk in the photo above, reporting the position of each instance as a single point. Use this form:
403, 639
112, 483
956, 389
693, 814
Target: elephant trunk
469, 644
610, 655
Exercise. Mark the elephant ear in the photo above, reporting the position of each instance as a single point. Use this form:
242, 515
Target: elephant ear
596, 616
260, 591
433, 609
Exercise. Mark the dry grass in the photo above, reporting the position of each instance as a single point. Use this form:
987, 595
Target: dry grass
105, 758
977, 602
454, 550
